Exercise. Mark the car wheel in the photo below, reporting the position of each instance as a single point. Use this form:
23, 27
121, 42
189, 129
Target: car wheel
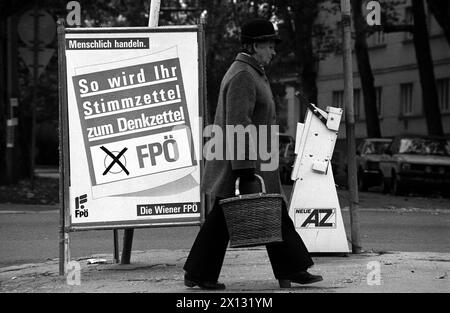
396, 186
362, 184
446, 192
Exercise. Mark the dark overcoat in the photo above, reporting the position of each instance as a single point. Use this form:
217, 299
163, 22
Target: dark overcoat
245, 98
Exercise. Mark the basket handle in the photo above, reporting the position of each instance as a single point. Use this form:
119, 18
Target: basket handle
261, 180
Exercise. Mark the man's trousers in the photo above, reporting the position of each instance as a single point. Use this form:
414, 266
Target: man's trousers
208, 251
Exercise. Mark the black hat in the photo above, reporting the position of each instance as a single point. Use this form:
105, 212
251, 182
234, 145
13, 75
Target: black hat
258, 30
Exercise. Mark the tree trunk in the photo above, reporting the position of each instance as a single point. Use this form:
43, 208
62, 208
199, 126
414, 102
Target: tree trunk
441, 11
365, 72
215, 28
3, 97
305, 14
426, 69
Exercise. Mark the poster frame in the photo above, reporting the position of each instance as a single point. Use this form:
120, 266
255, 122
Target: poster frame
64, 148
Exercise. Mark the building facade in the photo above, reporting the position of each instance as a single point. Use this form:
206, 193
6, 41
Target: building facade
397, 81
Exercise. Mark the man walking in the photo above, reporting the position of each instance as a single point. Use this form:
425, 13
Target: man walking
245, 99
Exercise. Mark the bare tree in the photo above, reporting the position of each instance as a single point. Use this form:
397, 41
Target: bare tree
365, 71
441, 11
430, 98
305, 14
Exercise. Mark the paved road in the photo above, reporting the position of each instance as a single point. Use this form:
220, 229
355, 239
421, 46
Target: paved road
30, 237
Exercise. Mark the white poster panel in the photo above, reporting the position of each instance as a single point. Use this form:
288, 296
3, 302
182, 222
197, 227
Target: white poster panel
314, 206
134, 126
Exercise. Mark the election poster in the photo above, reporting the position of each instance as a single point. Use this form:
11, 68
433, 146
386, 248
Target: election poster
134, 99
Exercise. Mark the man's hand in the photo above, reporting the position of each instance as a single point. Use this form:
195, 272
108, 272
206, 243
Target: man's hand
248, 181
245, 174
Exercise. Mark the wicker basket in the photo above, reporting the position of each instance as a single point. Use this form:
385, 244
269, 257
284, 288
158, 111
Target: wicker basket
253, 219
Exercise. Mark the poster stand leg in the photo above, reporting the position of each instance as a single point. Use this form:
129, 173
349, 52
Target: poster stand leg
62, 249
66, 251
116, 245
127, 244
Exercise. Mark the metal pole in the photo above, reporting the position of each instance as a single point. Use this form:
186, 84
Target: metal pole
128, 233
127, 244
153, 17
12, 92
35, 88
63, 236
350, 125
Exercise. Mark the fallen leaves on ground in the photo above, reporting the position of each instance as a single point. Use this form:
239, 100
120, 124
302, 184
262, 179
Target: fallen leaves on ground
45, 192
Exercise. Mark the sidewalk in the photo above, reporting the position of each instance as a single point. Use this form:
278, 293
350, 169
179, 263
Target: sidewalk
244, 271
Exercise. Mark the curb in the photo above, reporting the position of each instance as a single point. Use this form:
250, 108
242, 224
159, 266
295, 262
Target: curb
12, 208
400, 210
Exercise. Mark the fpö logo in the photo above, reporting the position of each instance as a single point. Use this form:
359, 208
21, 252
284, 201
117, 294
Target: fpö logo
80, 209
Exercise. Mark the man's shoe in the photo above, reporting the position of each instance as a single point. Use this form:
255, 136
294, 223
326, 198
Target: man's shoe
302, 277
192, 282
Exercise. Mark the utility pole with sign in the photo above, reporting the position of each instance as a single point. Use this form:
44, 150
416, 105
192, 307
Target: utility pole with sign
350, 125
36, 29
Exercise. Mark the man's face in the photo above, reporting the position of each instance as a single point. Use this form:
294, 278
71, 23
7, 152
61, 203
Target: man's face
264, 52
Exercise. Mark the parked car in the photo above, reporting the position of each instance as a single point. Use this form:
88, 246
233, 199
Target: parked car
416, 161
369, 153
287, 157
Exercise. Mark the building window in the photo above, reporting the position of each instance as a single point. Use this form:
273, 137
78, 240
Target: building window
338, 99
406, 99
379, 100
409, 20
443, 87
357, 103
